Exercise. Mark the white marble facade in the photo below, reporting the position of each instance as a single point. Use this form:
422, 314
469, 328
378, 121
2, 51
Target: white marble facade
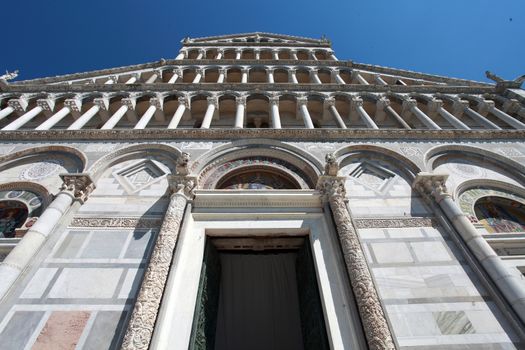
114, 164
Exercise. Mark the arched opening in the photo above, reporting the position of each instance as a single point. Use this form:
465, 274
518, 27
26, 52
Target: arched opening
280, 75
234, 75
229, 54
303, 76
257, 178
257, 75
13, 214
248, 55
265, 55
211, 75
499, 214
257, 109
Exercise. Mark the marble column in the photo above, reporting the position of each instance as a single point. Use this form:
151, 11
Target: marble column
220, 53
293, 54
244, 76
508, 279
179, 113
76, 187
462, 107
84, 118
142, 323
332, 56
337, 77
275, 54
274, 112
315, 76
490, 107
410, 106
115, 118
132, 80
213, 105
359, 78
380, 80
383, 104
201, 54
293, 76
153, 77
270, 75
238, 54
222, 76
240, 113
313, 57
436, 106
146, 117
357, 105
23, 119
6, 112
257, 54
181, 55
373, 319
303, 109
335, 113
199, 73
176, 74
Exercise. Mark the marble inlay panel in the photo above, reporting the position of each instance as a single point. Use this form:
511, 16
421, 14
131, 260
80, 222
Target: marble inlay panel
453, 322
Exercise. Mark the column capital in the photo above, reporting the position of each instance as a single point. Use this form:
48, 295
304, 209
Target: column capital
434, 105
302, 101
485, 106
329, 101
102, 102
292, 70
240, 100
356, 101
18, 104
382, 103
200, 71
511, 105
48, 105
129, 102
78, 186
213, 101
408, 103
459, 106
223, 71
274, 100
157, 102
245, 69
184, 101
177, 71
432, 184
74, 104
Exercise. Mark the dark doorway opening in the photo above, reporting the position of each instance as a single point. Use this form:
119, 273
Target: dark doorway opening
258, 293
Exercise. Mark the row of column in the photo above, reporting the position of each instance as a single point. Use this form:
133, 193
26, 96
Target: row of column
383, 108
183, 54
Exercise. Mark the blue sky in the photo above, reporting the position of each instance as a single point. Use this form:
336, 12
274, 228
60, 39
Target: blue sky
460, 38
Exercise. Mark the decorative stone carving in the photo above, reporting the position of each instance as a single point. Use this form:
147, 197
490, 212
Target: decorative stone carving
429, 184
373, 318
125, 222
78, 185
331, 167
41, 170
142, 322
400, 222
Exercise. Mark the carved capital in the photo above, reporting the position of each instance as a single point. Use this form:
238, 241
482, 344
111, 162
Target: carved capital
223, 71
19, 104
329, 101
184, 101
485, 106
432, 185
302, 101
129, 102
331, 187
241, 100
274, 100
73, 104
157, 102
459, 106
102, 102
408, 104
79, 186
382, 103
511, 106
434, 105
356, 102
213, 101
48, 105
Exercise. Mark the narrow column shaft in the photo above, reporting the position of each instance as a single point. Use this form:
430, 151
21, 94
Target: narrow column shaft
219, 55
198, 77
306, 116
276, 117
270, 76
313, 56
238, 54
84, 118
146, 117
452, 119
200, 56
131, 80
180, 56
20, 121
507, 118
115, 118
206, 121
222, 76
338, 78
257, 55
365, 117
244, 77
337, 116
177, 116
21, 255
152, 78
6, 111
275, 55
239, 115
332, 56
480, 119
391, 111
173, 78
293, 54
424, 118
54, 119
360, 79
380, 80
293, 77
315, 77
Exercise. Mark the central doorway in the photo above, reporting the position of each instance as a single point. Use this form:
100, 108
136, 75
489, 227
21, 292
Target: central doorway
258, 293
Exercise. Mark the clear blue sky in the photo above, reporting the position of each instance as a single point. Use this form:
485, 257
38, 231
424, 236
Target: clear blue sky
460, 38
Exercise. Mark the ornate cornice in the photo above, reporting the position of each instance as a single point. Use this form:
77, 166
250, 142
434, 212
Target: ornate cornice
35, 86
278, 134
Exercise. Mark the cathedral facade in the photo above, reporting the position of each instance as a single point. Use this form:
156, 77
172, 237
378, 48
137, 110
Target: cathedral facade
256, 192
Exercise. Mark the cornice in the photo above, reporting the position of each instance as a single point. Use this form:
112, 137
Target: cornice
277, 134
249, 87
257, 44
